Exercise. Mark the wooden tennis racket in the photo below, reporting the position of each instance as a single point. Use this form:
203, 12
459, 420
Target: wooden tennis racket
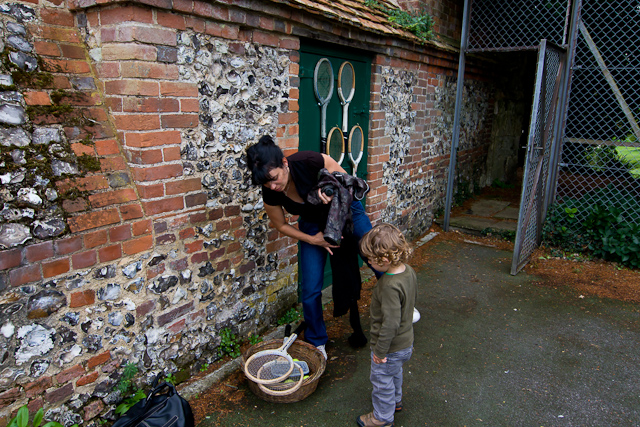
335, 144
356, 147
258, 367
346, 89
323, 88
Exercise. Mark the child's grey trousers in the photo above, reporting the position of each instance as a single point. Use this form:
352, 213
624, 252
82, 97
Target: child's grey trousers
386, 379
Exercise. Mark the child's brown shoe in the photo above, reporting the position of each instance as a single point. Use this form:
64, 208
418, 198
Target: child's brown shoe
369, 420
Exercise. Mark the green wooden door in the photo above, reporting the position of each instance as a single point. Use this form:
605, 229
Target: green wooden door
310, 113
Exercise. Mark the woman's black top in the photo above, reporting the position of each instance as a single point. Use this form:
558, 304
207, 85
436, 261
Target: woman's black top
304, 167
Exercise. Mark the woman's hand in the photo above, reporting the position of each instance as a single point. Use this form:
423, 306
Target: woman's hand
318, 240
377, 360
325, 199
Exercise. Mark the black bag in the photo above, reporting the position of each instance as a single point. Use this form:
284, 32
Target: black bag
159, 409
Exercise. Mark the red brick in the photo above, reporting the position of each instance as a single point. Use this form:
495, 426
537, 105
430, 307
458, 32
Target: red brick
65, 66
84, 259
57, 17
60, 394
199, 258
111, 164
55, 268
193, 246
36, 98
172, 315
93, 409
165, 205
82, 298
110, 253
149, 70
157, 172
131, 87
9, 397
79, 149
69, 245
46, 48
179, 120
151, 139
151, 105
93, 219
178, 326
121, 14
137, 122
141, 227
187, 233
179, 89
74, 206
145, 157
107, 147
92, 183
132, 211
146, 34
71, 51
98, 360
69, 374
115, 197
87, 379
96, 238
27, 274
39, 251
170, 20
120, 233
128, 51
137, 245
183, 186
189, 105
192, 200
152, 191
10, 258
37, 387
70, 35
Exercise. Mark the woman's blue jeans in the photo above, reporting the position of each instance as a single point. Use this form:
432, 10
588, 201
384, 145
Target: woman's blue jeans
312, 260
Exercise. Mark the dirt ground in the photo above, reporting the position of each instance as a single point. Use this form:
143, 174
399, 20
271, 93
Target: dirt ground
593, 278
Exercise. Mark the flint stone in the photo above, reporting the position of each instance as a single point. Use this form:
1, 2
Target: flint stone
11, 97
12, 178
36, 340
107, 272
14, 28
130, 270
109, 293
8, 329
8, 377
116, 318
92, 343
17, 42
157, 259
45, 303
23, 61
73, 352
12, 114
29, 197
13, 235
45, 136
129, 320
50, 228
39, 367
72, 318
163, 283
14, 136
67, 336
63, 168
6, 80
20, 12
51, 194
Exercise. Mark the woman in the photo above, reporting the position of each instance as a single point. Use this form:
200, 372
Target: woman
287, 182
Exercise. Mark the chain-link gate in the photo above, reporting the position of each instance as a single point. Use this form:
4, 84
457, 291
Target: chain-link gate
598, 140
540, 146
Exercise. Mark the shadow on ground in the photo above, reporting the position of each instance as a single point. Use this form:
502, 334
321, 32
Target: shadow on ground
491, 349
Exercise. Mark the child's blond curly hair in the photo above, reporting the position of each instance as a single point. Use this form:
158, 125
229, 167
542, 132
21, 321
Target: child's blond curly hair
385, 241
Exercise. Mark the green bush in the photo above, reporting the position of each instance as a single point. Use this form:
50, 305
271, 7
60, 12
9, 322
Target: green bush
229, 344
22, 419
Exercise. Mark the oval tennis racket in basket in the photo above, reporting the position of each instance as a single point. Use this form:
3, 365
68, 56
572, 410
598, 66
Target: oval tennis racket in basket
285, 387
356, 146
323, 88
258, 368
335, 144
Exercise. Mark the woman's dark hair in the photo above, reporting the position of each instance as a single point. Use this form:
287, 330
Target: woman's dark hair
262, 158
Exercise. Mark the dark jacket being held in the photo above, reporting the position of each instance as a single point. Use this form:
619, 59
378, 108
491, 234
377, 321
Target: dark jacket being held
345, 188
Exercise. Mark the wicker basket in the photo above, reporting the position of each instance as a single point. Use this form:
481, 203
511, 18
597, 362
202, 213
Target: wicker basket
298, 350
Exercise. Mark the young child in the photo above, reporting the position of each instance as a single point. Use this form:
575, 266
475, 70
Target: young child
392, 308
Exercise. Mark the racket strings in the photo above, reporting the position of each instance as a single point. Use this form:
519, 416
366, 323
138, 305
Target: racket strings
335, 144
260, 367
346, 80
324, 80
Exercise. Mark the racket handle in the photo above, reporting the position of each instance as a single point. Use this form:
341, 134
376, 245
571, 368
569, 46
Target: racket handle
289, 341
287, 331
323, 145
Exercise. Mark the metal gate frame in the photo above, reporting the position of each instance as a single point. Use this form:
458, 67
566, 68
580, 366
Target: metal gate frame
542, 142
